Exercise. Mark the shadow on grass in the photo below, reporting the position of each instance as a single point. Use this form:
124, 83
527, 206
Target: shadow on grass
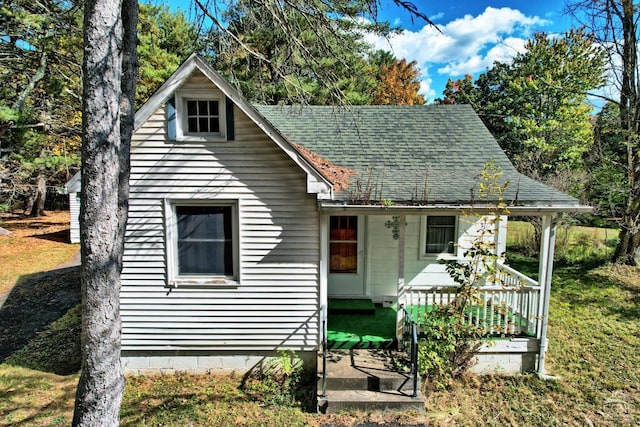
270, 385
62, 236
167, 409
27, 322
196, 399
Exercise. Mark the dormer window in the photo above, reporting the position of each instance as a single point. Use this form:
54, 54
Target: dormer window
194, 115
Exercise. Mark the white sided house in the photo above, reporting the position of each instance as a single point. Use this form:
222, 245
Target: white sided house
247, 222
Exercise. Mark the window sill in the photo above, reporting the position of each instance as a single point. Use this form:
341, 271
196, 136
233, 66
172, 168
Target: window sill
445, 257
201, 138
204, 282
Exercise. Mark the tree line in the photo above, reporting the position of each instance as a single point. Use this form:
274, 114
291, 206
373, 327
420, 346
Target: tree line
267, 56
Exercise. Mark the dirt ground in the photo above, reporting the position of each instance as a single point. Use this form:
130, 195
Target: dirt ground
23, 226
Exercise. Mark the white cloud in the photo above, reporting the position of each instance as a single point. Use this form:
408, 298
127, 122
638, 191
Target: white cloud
466, 45
425, 88
503, 52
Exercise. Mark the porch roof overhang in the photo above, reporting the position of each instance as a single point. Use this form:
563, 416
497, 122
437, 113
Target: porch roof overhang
337, 208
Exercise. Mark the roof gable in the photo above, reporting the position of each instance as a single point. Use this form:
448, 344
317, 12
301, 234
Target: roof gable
74, 184
316, 182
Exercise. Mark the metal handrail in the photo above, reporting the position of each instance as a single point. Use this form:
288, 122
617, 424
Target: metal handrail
323, 322
408, 320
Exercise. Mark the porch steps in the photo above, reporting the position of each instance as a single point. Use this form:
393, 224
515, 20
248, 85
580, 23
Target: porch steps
366, 380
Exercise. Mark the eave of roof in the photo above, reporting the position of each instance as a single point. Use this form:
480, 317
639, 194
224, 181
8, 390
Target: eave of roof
441, 209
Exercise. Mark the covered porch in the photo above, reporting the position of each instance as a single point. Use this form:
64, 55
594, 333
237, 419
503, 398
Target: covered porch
509, 306
506, 309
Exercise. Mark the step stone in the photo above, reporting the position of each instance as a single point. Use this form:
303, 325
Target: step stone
368, 401
365, 380
371, 383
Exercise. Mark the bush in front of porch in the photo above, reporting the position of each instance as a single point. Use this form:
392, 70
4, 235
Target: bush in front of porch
448, 340
447, 345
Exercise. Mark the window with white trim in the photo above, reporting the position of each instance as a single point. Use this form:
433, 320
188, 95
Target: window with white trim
439, 235
204, 243
199, 116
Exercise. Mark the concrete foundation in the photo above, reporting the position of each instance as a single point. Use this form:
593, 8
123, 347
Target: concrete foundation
507, 356
204, 362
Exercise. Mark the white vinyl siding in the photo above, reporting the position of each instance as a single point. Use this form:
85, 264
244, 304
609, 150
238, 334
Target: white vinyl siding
275, 301
74, 213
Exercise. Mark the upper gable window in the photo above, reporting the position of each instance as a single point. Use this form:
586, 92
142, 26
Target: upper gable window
197, 116
203, 117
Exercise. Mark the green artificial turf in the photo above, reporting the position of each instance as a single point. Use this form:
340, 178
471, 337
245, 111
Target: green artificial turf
351, 331
351, 306
477, 314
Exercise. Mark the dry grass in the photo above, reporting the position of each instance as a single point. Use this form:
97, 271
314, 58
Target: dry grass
212, 400
36, 245
30, 397
35, 398
573, 243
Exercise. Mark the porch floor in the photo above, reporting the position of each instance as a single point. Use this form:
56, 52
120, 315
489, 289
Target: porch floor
362, 331
349, 327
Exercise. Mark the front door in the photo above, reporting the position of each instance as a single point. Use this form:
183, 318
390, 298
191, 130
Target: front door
346, 257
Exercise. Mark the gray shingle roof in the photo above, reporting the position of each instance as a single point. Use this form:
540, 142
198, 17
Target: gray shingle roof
408, 154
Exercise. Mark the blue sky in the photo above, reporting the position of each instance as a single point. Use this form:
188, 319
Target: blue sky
475, 33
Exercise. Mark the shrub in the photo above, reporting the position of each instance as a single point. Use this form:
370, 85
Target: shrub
449, 340
281, 380
447, 345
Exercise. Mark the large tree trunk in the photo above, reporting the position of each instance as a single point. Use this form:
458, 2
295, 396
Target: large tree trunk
628, 250
101, 384
37, 208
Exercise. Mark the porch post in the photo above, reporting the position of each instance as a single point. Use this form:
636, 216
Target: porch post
401, 255
545, 271
324, 258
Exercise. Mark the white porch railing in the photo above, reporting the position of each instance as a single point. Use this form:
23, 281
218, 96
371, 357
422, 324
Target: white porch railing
506, 306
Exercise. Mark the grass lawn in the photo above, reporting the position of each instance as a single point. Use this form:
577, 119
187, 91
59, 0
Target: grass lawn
36, 245
594, 334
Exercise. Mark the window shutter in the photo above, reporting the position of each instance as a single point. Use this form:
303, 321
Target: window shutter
229, 114
171, 118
